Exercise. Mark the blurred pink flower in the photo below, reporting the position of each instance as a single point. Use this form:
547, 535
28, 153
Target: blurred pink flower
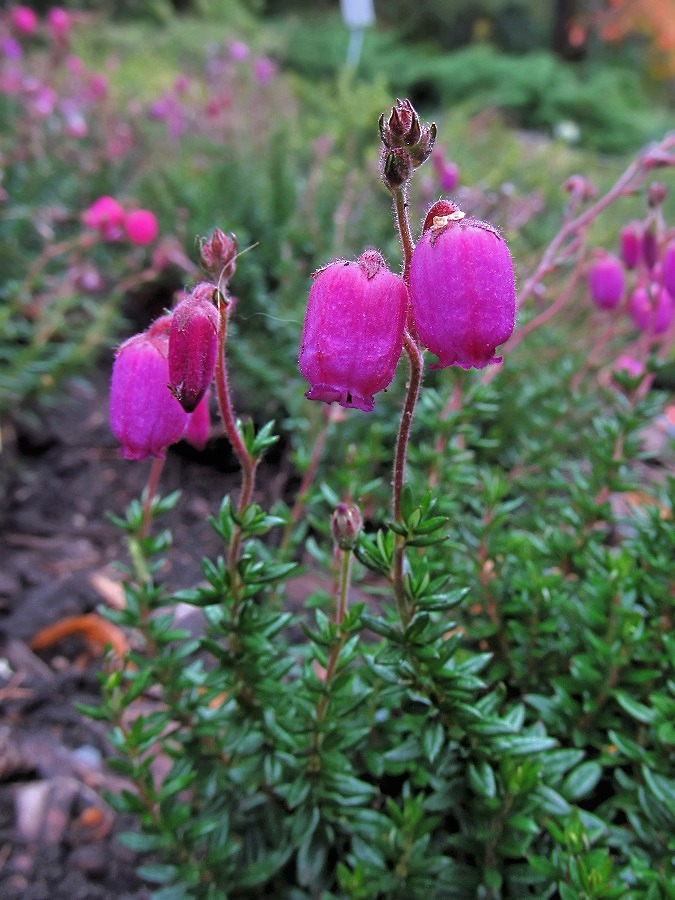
59, 22
141, 227
23, 20
238, 51
264, 69
106, 216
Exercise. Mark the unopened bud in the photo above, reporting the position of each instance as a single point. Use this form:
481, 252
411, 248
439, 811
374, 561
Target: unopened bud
346, 524
403, 130
218, 255
656, 194
396, 167
193, 343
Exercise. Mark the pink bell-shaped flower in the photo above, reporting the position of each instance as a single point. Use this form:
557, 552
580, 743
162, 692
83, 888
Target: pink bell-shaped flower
606, 280
105, 215
353, 333
462, 288
193, 345
141, 227
144, 416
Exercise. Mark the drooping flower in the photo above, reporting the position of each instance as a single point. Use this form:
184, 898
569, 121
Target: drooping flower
193, 344
606, 280
462, 288
144, 416
353, 332
141, 227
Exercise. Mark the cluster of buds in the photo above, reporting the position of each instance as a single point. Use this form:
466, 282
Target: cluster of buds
640, 280
406, 143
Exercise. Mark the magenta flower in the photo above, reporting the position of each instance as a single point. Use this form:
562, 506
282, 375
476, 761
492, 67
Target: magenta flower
144, 416
141, 227
353, 332
264, 69
628, 364
462, 288
106, 216
606, 280
193, 345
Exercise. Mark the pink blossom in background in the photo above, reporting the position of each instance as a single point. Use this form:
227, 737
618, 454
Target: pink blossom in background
58, 22
606, 280
10, 48
264, 69
629, 365
74, 120
447, 172
141, 227
74, 64
97, 88
238, 51
106, 216
23, 20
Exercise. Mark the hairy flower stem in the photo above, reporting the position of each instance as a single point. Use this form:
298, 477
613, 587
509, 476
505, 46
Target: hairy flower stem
247, 461
156, 469
415, 362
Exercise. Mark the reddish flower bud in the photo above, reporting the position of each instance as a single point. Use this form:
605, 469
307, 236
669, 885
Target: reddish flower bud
631, 244
353, 332
629, 365
144, 417
606, 280
218, 255
396, 167
193, 345
346, 524
462, 288
668, 268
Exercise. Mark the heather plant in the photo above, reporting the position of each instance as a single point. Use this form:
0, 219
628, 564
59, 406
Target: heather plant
474, 696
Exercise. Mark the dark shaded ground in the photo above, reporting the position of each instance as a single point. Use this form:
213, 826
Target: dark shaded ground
58, 838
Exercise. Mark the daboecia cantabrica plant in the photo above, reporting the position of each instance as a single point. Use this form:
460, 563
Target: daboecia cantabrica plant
476, 697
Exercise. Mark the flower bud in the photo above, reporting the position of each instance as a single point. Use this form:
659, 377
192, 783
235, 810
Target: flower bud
396, 167
193, 345
345, 525
462, 288
606, 280
656, 194
23, 20
628, 365
631, 244
403, 129
353, 333
144, 417
218, 255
